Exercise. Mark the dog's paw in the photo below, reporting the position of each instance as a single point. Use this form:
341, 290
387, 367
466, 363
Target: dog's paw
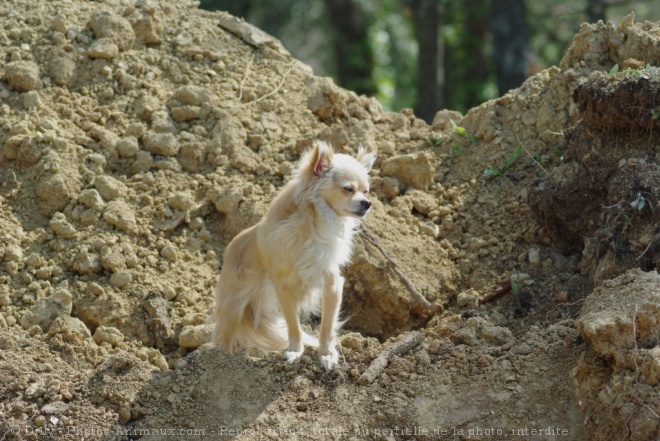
292, 356
330, 360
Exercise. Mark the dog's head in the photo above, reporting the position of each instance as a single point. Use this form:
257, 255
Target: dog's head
341, 180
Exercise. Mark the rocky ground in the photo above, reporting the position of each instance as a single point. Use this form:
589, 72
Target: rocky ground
138, 137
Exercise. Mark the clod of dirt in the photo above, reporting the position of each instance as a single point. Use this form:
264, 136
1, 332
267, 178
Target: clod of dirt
608, 189
621, 322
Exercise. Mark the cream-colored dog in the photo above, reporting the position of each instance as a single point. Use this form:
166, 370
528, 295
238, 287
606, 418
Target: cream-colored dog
290, 261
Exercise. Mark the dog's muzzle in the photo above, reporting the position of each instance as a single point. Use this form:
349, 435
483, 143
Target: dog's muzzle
365, 205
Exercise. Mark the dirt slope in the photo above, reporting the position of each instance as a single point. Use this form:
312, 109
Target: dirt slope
139, 137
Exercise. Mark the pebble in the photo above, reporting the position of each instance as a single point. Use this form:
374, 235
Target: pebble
226, 200
108, 334
534, 256
169, 252
110, 188
32, 99
91, 199
467, 299
103, 48
61, 227
161, 143
182, 201
195, 336
192, 95
128, 147
121, 278
106, 24
46, 310
22, 76
119, 214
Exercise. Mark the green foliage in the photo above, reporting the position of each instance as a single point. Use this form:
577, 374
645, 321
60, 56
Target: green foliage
515, 287
495, 172
640, 202
655, 113
461, 131
435, 139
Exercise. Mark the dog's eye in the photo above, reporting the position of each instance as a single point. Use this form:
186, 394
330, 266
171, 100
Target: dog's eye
366, 190
349, 189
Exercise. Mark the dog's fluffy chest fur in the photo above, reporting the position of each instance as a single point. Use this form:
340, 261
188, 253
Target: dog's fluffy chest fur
307, 246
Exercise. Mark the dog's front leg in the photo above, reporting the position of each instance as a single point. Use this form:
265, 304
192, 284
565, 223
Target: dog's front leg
290, 313
332, 294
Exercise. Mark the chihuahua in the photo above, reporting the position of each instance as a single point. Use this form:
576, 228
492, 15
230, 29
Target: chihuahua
289, 263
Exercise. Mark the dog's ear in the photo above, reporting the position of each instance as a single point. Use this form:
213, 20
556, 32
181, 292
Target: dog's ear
321, 158
366, 158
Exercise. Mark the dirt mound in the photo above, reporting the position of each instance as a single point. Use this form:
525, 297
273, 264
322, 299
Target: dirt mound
139, 137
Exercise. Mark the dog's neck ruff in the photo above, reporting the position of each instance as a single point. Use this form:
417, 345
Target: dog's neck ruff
329, 225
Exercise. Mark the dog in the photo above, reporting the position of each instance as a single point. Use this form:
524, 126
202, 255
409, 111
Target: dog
290, 262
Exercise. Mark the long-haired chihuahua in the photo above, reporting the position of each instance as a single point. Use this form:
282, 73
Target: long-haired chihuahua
289, 263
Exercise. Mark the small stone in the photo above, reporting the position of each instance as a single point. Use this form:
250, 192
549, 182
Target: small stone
195, 336
103, 48
72, 329
121, 278
22, 76
121, 215
192, 95
86, 263
108, 334
55, 408
226, 201
147, 28
561, 297
128, 147
415, 169
61, 227
422, 202
58, 23
161, 143
143, 163
46, 310
110, 188
182, 201
534, 256
91, 199
112, 259
430, 229
106, 24
32, 99
185, 113
467, 299
5, 300
390, 187
169, 252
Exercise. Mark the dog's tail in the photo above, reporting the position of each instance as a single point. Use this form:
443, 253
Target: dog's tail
248, 319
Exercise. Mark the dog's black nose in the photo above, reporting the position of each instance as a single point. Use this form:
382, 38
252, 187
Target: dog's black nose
365, 204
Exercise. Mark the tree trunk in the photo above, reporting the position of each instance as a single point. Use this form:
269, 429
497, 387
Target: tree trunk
508, 24
353, 53
596, 10
427, 15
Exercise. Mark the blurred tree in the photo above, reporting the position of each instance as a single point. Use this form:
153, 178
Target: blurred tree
239, 9
427, 16
508, 25
354, 55
429, 54
468, 73
395, 49
596, 10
